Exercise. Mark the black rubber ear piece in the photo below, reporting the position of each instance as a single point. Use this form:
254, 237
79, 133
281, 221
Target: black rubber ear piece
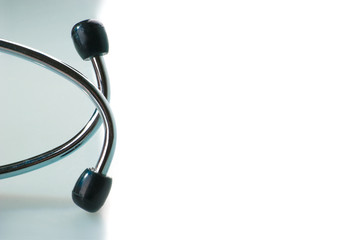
91, 190
90, 39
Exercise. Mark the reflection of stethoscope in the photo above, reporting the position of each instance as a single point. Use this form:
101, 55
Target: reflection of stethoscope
93, 186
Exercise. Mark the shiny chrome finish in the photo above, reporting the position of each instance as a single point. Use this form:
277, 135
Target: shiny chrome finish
101, 76
103, 83
96, 96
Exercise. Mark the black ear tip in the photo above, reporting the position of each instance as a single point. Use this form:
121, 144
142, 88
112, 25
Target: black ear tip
90, 39
91, 190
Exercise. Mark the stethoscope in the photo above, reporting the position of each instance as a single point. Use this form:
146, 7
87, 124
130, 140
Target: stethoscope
93, 186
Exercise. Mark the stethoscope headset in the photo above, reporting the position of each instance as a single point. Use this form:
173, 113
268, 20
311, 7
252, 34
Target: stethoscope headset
93, 186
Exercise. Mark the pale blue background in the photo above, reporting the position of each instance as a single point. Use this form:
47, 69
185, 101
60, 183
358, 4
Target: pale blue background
42, 110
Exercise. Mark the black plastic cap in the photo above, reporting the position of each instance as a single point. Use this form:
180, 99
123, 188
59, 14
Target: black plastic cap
90, 39
91, 190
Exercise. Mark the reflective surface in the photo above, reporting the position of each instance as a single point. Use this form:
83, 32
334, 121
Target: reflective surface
43, 110
94, 94
40, 202
24, 217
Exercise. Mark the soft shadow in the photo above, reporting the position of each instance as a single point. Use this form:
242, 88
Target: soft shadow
45, 25
24, 217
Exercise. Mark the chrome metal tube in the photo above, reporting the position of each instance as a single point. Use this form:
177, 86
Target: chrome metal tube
101, 76
98, 99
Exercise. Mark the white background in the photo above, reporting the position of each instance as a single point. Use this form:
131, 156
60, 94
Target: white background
236, 120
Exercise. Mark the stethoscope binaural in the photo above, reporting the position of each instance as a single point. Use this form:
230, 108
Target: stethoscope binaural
93, 186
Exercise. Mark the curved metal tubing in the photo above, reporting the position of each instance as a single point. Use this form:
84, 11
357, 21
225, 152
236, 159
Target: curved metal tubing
55, 154
99, 100
101, 76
